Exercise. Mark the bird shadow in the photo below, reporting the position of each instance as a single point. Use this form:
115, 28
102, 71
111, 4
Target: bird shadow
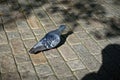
110, 68
63, 38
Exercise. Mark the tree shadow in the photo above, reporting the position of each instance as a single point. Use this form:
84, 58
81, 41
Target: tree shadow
110, 69
87, 10
112, 30
117, 2
11, 10
72, 13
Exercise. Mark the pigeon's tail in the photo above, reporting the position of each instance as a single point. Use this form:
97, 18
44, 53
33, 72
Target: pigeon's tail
37, 48
61, 28
32, 51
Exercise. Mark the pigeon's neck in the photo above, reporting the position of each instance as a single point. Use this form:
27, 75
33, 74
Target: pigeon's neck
61, 28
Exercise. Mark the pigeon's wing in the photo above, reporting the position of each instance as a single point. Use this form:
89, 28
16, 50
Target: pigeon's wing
51, 41
37, 47
47, 42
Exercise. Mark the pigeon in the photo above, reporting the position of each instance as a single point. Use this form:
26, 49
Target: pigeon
49, 41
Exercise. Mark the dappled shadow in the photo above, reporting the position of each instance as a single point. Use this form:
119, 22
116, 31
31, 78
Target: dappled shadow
112, 30
87, 10
110, 69
117, 2
0, 76
77, 10
71, 11
11, 10
26, 75
10, 76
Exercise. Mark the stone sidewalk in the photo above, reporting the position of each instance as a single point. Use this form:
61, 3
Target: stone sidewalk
24, 22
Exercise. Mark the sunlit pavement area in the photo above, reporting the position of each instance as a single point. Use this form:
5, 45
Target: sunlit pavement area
91, 52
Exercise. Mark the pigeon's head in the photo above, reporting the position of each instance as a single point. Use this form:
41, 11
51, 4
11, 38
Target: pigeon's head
61, 28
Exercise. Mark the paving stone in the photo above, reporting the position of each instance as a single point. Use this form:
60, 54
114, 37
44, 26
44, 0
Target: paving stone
25, 8
3, 38
39, 37
92, 46
81, 49
37, 56
82, 35
28, 75
57, 19
96, 24
1, 27
33, 22
46, 6
17, 47
99, 57
105, 1
38, 31
59, 67
41, 14
22, 58
10, 76
84, 24
52, 53
68, 78
44, 22
10, 27
91, 63
38, 62
13, 35
81, 73
54, 10
5, 54
38, 59
51, 77
29, 43
43, 70
91, 31
88, 59
49, 27
0, 20
19, 15
75, 65
103, 43
7, 64
72, 39
0, 77
7, 17
67, 52
34, 3
5, 49
111, 10
2, 7
27, 34
22, 24
77, 28
25, 67
115, 40
98, 34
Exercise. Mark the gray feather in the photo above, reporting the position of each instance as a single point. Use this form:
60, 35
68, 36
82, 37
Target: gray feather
49, 41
